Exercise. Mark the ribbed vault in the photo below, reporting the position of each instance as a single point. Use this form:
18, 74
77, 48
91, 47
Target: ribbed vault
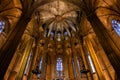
70, 30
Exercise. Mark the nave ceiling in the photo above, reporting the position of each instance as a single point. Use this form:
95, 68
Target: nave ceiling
58, 21
54, 29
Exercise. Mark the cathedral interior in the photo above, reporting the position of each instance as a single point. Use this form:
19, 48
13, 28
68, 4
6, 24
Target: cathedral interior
59, 40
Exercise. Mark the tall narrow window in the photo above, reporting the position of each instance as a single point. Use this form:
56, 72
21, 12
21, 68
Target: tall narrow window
73, 65
28, 63
78, 63
2, 26
59, 67
116, 26
91, 63
40, 66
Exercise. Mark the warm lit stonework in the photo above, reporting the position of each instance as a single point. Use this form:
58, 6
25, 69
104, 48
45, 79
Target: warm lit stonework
59, 40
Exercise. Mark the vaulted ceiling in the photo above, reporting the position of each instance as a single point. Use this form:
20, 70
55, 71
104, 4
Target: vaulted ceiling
57, 20
63, 22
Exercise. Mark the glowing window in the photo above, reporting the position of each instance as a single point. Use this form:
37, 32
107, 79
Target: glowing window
74, 70
28, 62
116, 26
2, 26
65, 33
40, 66
78, 63
59, 65
52, 33
91, 63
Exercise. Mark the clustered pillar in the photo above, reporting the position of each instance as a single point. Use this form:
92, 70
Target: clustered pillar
106, 42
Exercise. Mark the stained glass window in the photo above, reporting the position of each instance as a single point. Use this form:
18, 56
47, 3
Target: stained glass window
2, 26
59, 65
116, 26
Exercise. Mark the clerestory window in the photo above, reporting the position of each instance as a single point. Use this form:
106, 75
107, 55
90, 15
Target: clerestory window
116, 26
2, 26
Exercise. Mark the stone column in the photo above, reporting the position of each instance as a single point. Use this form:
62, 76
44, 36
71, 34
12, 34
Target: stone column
34, 58
65, 65
94, 75
106, 41
44, 64
103, 60
48, 70
94, 58
15, 63
2, 38
26, 71
7, 51
74, 56
12, 70
76, 66
53, 67
24, 59
69, 65
84, 61
15, 67
43, 69
70, 68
